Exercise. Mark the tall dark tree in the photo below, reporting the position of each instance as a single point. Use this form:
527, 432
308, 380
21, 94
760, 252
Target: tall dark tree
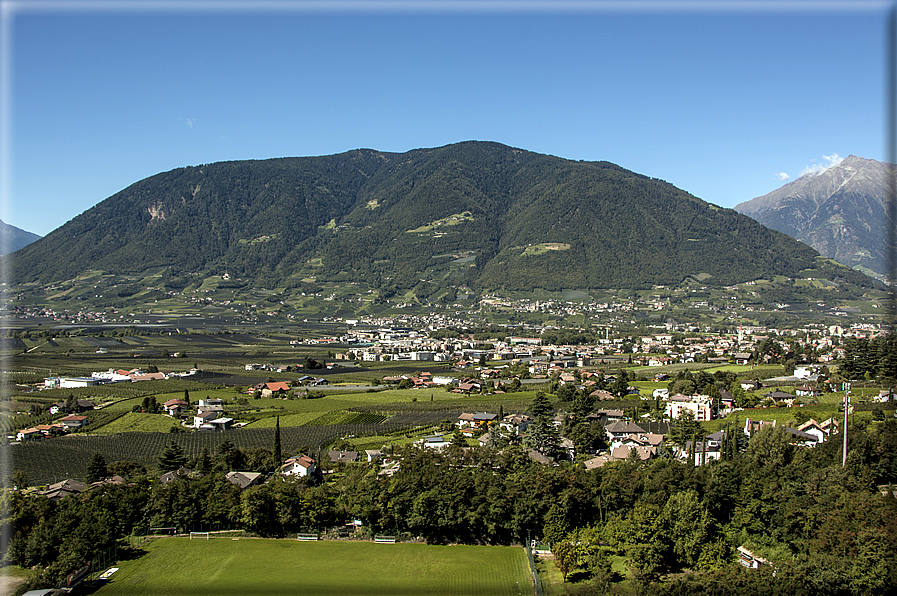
541, 405
96, 469
203, 461
172, 457
277, 455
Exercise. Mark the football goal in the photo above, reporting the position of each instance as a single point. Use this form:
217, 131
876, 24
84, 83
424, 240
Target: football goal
199, 535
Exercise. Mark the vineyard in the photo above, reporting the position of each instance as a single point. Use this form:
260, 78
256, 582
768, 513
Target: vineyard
52, 460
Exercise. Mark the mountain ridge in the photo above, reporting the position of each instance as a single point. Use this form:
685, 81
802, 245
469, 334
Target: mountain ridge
474, 213
13, 238
841, 212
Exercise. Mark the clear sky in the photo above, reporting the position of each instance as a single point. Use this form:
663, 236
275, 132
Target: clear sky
726, 100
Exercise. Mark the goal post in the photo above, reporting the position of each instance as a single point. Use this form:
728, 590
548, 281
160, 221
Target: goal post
199, 535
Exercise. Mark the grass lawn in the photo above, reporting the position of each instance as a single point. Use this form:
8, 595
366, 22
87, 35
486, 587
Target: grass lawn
223, 566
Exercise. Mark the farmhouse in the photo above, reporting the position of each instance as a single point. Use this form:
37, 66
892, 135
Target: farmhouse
300, 465
73, 422
269, 389
342, 456
174, 407
478, 420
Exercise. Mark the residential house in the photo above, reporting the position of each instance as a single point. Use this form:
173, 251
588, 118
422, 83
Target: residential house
221, 423
174, 475
467, 387
73, 422
203, 420
812, 427
606, 417
753, 426
704, 451
60, 490
300, 465
538, 457
342, 457
479, 420
801, 438
603, 395
781, 396
516, 423
175, 407
622, 429
29, 434
277, 389
623, 452
742, 358
244, 480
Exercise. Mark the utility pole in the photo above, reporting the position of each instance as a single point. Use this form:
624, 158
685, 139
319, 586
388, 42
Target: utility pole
846, 387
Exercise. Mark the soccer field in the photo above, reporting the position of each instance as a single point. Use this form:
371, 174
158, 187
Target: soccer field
222, 566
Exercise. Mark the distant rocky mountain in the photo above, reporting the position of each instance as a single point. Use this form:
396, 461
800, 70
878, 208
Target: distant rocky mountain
841, 212
475, 214
13, 238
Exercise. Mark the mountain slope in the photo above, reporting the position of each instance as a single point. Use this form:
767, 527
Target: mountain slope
841, 212
476, 213
13, 238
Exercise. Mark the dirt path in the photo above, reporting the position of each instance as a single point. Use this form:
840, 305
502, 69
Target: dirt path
8, 584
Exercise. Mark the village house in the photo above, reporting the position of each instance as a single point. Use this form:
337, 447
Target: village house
342, 457
65, 488
175, 407
244, 480
479, 420
276, 389
300, 465
73, 422
516, 423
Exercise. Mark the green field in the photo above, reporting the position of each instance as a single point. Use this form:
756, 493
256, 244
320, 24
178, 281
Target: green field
223, 566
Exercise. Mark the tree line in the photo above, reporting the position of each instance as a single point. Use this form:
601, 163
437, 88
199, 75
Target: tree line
817, 520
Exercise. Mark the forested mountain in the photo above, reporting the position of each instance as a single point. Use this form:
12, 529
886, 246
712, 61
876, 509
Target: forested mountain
841, 212
13, 238
475, 213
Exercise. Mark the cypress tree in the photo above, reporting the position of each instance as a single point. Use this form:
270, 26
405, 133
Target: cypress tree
278, 455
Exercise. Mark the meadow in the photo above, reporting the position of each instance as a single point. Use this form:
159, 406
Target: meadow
223, 566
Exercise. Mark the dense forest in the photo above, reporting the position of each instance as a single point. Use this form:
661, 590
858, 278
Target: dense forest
473, 213
825, 527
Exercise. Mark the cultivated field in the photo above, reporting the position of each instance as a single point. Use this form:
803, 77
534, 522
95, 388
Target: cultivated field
223, 566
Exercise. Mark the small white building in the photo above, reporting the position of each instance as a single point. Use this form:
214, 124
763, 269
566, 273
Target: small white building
300, 465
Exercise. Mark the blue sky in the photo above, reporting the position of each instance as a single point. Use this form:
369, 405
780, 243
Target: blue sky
722, 99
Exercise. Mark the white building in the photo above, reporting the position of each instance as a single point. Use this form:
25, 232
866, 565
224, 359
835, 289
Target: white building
300, 465
697, 404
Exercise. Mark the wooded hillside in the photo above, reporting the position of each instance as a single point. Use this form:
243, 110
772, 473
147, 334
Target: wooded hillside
473, 213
